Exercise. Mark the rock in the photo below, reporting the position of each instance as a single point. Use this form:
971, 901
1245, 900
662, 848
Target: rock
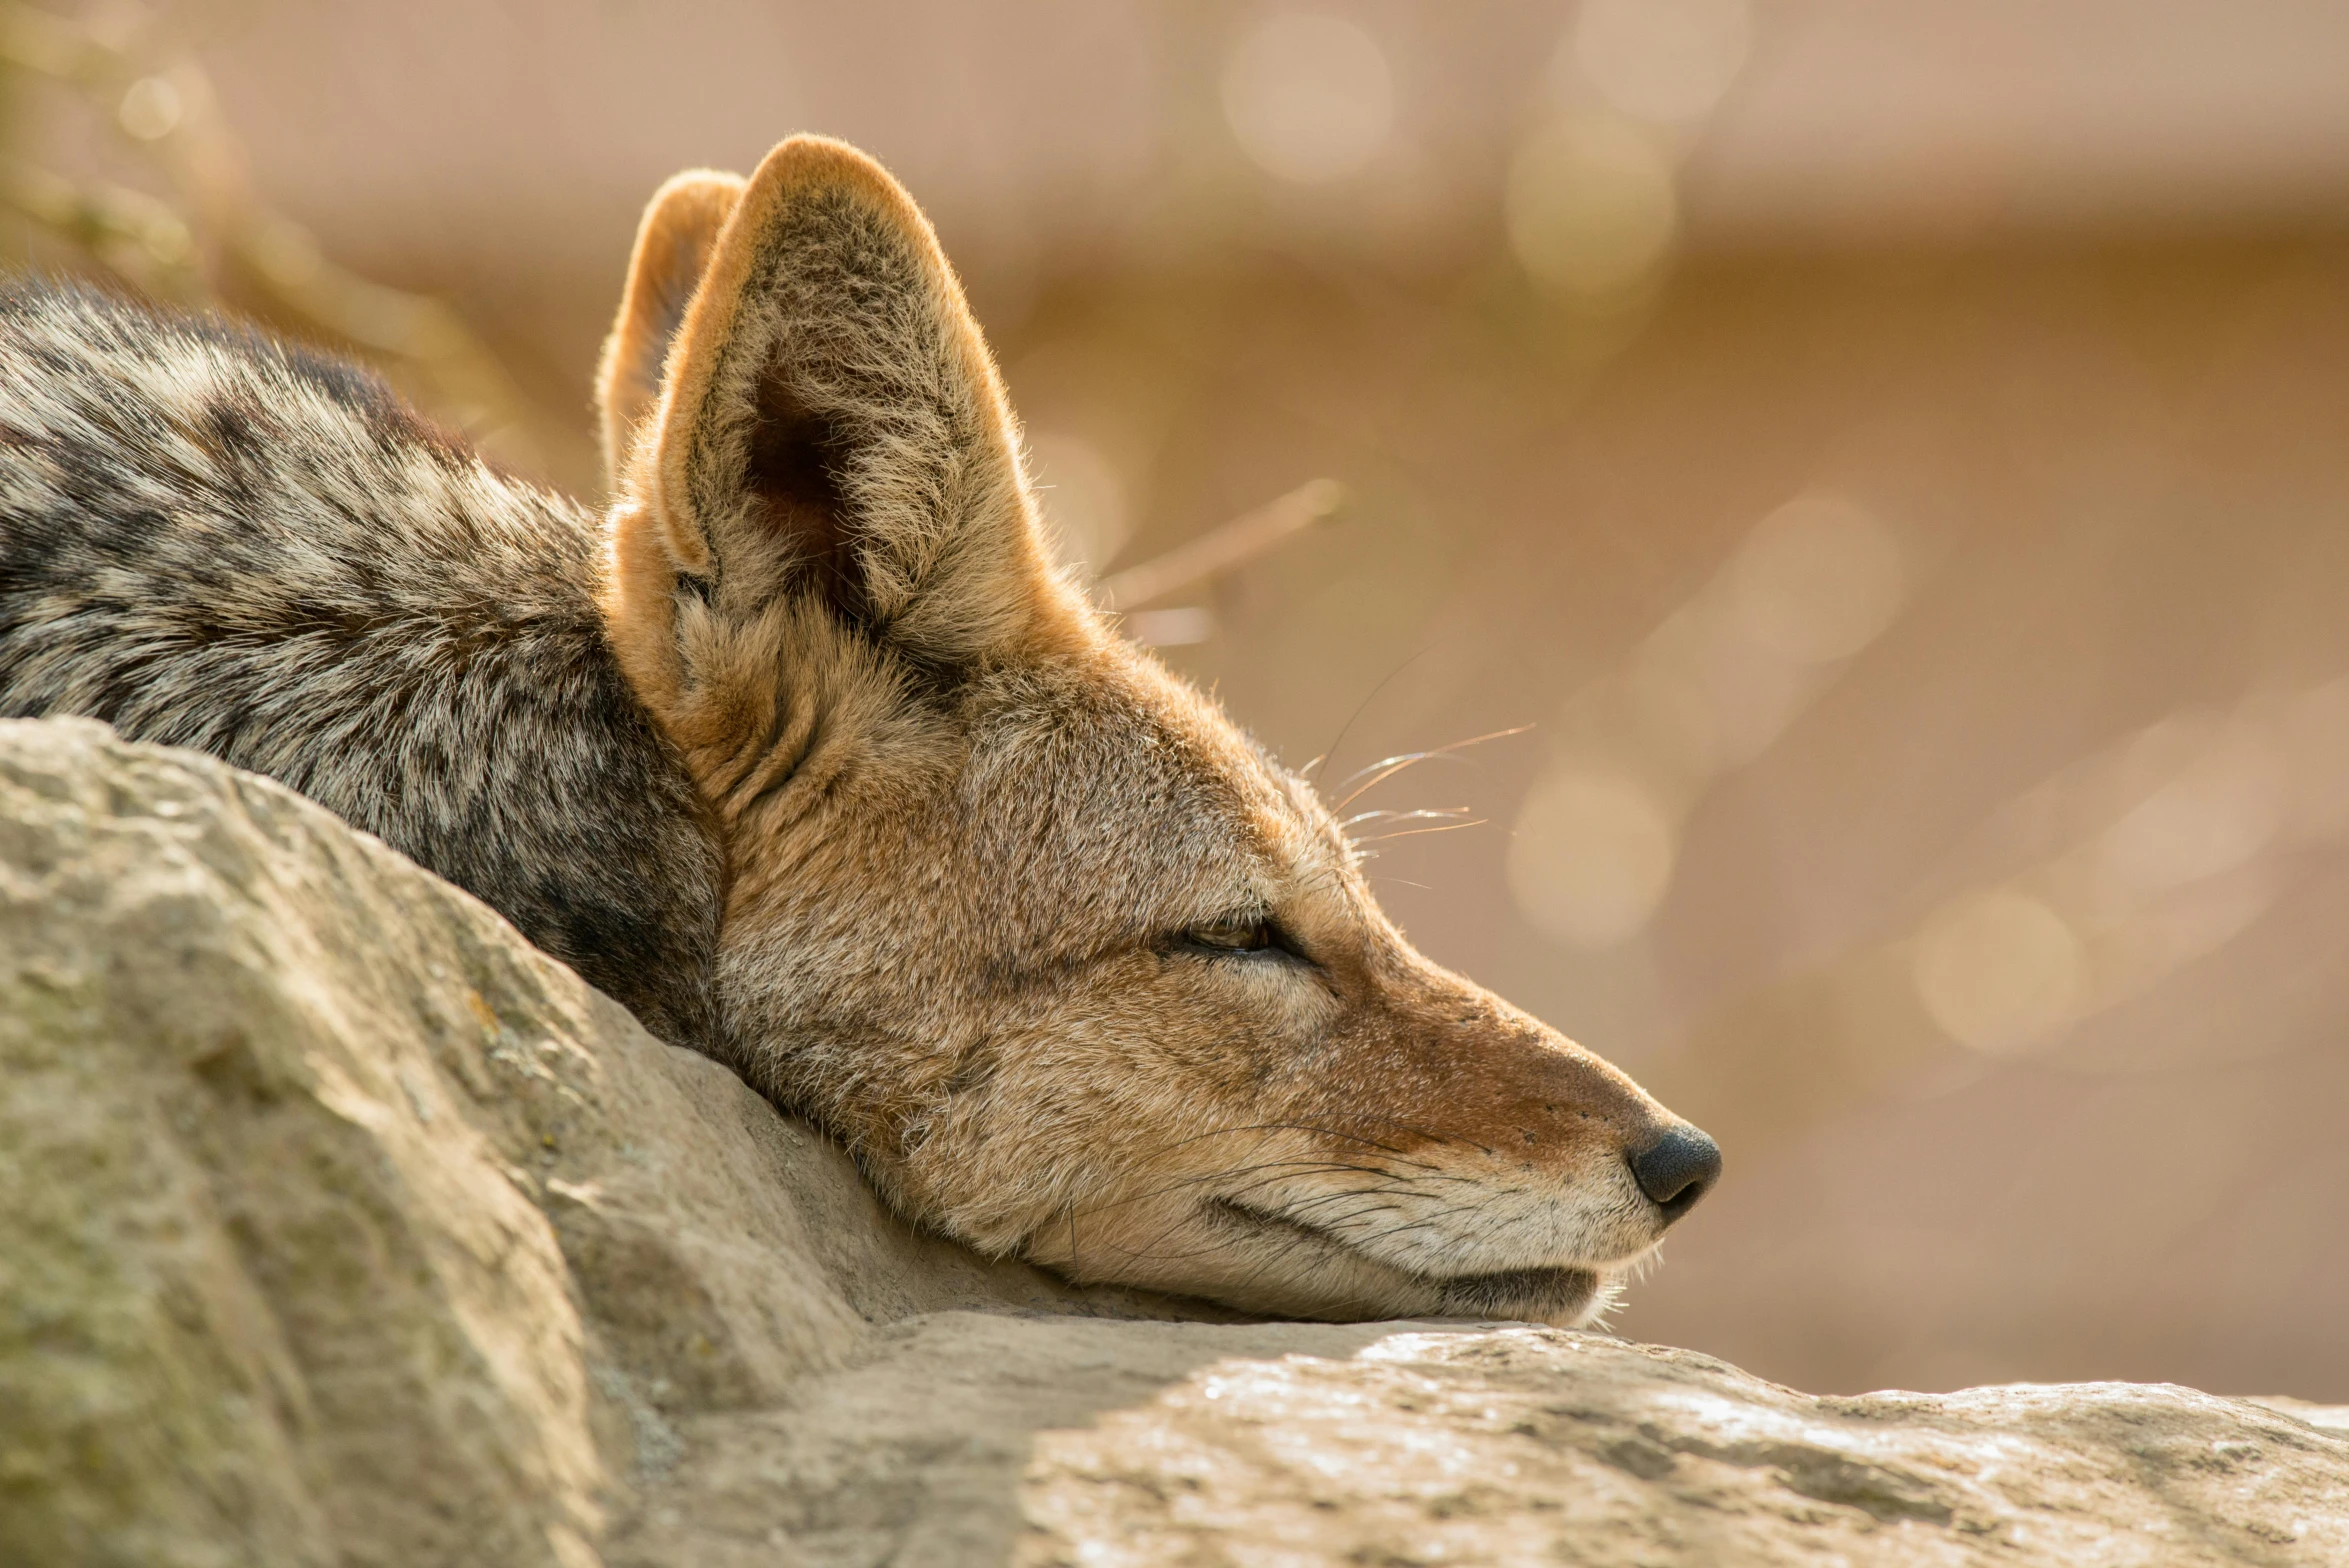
345, 1227
1529, 1445
341, 1227
1137, 1445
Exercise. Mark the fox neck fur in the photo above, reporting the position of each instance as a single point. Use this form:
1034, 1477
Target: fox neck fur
216, 541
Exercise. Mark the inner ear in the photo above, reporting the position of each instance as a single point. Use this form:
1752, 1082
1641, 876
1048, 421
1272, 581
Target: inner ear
830, 421
794, 473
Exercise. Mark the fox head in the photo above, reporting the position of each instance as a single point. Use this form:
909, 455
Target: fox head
1076, 971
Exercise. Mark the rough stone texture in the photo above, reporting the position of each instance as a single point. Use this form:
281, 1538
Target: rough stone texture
1528, 1445
340, 1227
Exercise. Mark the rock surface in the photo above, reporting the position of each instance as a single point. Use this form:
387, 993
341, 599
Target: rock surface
340, 1227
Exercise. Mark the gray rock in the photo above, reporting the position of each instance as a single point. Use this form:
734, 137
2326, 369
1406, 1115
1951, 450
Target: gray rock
1527, 1445
343, 1228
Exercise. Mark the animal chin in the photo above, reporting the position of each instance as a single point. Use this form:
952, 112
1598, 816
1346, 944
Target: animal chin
1566, 1296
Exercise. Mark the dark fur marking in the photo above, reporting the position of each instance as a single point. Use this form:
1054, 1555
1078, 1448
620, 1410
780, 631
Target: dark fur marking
357, 606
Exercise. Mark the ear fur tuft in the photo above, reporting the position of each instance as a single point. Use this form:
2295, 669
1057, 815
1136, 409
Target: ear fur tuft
674, 240
831, 419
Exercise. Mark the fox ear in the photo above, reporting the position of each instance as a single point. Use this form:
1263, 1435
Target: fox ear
831, 423
674, 240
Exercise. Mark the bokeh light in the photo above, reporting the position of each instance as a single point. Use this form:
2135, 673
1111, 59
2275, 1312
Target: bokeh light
1309, 96
1590, 206
1818, 580
150, 109
2219, 808
2159, 850
1664, 60
1591, 858
1710, 689
2000, 970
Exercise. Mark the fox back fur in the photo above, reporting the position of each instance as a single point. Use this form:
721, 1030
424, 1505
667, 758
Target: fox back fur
805, 753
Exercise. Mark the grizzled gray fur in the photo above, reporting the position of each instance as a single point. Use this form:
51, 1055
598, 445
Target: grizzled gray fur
208, 539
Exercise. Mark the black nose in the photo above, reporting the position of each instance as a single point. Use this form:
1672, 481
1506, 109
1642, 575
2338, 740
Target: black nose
1676, 1169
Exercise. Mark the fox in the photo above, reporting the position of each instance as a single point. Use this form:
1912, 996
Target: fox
804, 751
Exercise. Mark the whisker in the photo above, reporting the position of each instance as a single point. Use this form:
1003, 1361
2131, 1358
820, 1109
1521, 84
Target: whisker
1207, 1178
1406, 816
1258, 1186
1388, 767
1424, 1222
1449, 827
1363, 706
1273, 1171
1295, 1209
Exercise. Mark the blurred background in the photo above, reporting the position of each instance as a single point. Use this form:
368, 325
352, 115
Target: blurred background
1894, 458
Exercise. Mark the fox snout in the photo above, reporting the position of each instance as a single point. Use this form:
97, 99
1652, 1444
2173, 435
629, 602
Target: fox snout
1543, 1115
1571, 1100
1441, 1154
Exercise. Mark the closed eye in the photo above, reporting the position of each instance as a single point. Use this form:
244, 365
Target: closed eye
1243, 937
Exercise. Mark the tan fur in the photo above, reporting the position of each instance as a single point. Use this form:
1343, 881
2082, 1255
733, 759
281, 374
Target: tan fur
673, 245
980, 849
